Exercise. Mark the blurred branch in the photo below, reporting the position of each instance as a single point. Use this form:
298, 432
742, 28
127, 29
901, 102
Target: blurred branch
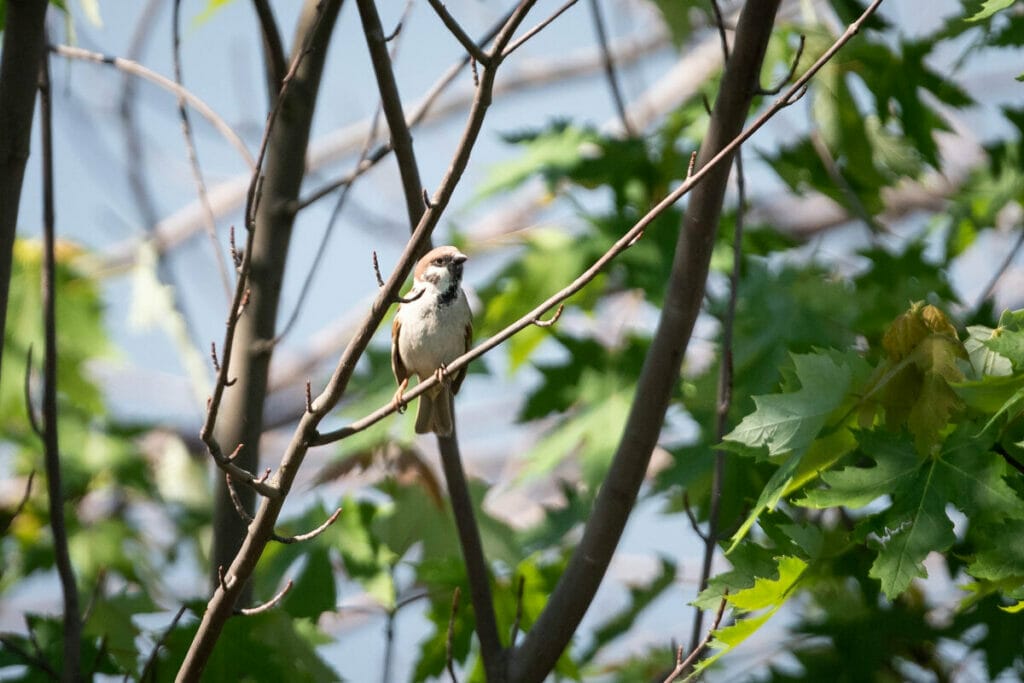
449, 21
449, 664
609, 67
136, 69
151, 660
23, 48
62, 558
193, 156
275, 64
1008, 260
21, 504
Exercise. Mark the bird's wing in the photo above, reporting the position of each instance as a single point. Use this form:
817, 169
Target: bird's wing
461, 375
397, 366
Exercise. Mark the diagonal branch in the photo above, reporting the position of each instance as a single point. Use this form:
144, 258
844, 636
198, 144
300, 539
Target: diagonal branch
391, 102
609, 67
472, 48
275, 64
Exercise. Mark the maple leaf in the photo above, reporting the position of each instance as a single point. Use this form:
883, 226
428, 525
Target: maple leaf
790, 421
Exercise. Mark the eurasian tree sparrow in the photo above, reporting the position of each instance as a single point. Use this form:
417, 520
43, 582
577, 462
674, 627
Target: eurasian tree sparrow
432, 329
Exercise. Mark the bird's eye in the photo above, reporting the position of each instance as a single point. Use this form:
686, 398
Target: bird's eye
438, 261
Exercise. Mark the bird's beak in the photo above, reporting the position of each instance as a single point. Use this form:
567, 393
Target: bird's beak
459, 258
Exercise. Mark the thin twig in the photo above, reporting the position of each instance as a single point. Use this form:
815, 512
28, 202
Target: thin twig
1001, 270
269, 604
236, 501
609, 67
310, 534
136, 69
449, 21
535, 30
209, 220
151, 660
62, 558
684, 664
376, 270
451, 635
694, 524
775, 90
837, 177
22, 503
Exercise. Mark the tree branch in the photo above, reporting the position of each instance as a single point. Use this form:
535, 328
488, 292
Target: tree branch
23, 47
193, 156
391, 102
609, 66
477, 573
136, 69
62, 558
449, 21
275, 65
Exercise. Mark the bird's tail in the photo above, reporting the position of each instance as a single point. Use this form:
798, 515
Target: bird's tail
435, 413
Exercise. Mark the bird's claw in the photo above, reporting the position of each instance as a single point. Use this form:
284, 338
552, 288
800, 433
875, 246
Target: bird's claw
398, 401
442, 375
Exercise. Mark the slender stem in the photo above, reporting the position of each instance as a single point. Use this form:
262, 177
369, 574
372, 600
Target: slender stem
275, 64
471, 47
473, 553
193, 156
609, 66
62, 558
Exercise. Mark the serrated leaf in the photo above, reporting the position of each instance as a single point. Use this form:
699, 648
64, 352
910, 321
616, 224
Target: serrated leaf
790, 421
855, 487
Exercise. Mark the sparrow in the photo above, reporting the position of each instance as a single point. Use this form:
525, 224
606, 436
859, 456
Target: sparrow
433, 327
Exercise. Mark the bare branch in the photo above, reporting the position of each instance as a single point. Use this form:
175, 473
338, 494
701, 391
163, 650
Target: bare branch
308, 536
683, 664
1011, 255
609, 67
535, 30
193, 155
62, 558
151, 660
391, 103
472, 48
136, 69
273, 48
268, 605
775, 90
239, 508
376, 270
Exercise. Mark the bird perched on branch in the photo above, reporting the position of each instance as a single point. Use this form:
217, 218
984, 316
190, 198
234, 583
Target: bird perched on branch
433, 327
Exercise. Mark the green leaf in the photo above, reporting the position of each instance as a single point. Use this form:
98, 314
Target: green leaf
990, 7
366, 559
790, 421
313, 591
855, 487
